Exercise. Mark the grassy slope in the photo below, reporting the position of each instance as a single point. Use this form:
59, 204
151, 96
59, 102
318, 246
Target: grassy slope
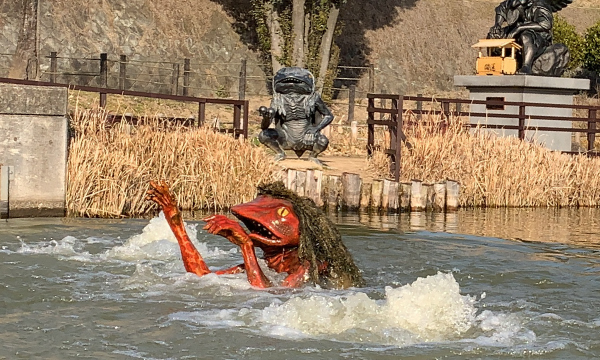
415, 45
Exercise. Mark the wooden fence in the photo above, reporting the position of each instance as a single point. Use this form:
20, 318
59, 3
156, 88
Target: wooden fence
447, 108
240, 107
349, 192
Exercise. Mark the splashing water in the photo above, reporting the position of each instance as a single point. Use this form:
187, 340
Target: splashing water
132, 282
429, 309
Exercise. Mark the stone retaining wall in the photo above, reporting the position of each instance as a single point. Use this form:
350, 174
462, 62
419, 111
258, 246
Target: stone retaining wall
33, 142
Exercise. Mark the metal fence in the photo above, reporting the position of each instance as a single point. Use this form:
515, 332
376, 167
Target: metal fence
233, 80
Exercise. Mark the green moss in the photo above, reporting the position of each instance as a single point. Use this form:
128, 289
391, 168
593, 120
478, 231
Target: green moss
565, 33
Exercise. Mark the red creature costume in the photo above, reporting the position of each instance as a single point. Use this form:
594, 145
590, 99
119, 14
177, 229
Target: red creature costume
273, 227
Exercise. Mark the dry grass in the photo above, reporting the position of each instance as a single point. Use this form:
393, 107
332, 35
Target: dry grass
109, 167
498, 171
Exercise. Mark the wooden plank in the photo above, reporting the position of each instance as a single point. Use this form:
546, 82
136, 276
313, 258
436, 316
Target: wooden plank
376, 194
365, 197
418, 196
439, 200
405, 189
428, 189
333, 193
300, 182
314, 183
351, 191
391, 188
291, 180
452, 194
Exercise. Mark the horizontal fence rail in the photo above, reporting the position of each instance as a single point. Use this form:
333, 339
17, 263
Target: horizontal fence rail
449, 107
240, 107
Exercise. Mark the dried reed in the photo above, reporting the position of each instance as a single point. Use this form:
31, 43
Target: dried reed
109, 167
496, 171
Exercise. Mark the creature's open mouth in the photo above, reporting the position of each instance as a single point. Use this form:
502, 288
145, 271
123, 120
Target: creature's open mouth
257, 228
291, 80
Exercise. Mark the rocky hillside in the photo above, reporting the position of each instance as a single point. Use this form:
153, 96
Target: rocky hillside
414, 45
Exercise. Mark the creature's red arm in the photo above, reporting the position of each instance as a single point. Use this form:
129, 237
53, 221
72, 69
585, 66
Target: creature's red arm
192, 260
255, 275
233, 231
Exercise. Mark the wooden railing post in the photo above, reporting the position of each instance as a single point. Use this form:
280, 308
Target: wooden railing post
370, 127
53, 66
237, 111
103, 77
419, 107
372, 78
245, 120
383, 105
351, 99
175, 79
122, 71
399, 136
201, 112
242, 80
445, 110
522, 122
591, 136
186, 76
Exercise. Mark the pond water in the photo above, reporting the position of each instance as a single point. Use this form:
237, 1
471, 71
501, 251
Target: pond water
495, 283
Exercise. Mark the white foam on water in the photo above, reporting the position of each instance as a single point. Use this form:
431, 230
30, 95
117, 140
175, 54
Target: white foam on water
429, 309
216, 318
69, 247
502, 330
157, 242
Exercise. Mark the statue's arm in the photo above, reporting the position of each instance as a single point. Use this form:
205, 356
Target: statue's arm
496, 31
542, 22
326, 115
501, 11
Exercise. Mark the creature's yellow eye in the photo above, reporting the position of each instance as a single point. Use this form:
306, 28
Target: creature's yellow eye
283, 212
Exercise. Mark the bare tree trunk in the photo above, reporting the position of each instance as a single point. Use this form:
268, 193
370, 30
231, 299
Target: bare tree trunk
298, 32
277, 41
326, 43
306, 32
25, 63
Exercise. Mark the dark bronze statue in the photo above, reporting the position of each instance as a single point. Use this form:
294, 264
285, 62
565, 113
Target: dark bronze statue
529, 22
298, 113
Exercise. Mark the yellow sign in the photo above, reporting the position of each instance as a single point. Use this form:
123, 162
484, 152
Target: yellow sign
497, 56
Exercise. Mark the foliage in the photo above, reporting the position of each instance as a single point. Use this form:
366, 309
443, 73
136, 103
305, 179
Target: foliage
318, 11
565, 33
591, 55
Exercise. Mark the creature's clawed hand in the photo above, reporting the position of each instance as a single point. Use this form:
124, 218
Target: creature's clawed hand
228, 228
310, 137
160, 194
495, 32
267, 116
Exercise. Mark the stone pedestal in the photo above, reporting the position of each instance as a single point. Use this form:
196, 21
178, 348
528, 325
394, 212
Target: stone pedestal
525, 88
33, 146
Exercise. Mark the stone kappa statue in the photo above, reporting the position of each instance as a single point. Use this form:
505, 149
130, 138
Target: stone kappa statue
298, 113
529, 22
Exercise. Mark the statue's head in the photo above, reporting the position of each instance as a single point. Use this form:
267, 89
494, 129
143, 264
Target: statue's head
518, 3
294, 80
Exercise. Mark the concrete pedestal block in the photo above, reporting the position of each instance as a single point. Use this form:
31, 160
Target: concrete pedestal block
33, 141
525, 88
